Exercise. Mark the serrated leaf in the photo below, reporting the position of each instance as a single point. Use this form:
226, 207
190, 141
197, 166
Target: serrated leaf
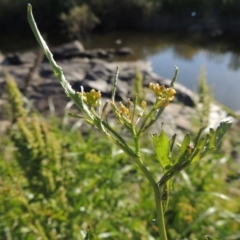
201, 143
216, 136
185, 143
162, 146
183, 147
210, 145
222, 129
197, 154
212, 135
199, 135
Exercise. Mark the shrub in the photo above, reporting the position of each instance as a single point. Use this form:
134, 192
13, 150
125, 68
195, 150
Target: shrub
79, 21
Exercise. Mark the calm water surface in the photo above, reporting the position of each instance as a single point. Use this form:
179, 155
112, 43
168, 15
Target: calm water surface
224, 80
221, 62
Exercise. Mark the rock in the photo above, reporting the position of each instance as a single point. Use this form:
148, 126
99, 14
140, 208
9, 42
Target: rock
142, 66
111, 51
91, 76
84, 68
12, 59
69, 50
75, 71
88, 54
19, 73
99, 63
184, 95
46, 71
123, 90
51, 88
183, 124
216, 115
18, 59
101, 53
28, 57
127, 74
2, 57
100, 85
124, 51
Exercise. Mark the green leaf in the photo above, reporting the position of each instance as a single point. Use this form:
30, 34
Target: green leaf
215, 137
210, 146
165, 196
210, 237
211, 141
212, 135
185, 143
57, 69
183, 148
75, 115
222, 129
172, 141
198, 150
162, 146
87, 234
174, 77
199, 134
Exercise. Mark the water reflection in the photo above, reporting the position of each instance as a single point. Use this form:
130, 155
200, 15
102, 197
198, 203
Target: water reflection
222, 63
234, 62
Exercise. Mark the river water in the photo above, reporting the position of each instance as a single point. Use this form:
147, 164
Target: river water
221, 63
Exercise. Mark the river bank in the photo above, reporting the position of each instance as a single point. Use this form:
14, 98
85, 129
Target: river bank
89, 69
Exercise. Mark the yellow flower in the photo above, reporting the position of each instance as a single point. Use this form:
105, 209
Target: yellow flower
162, 102
164, 95
170, 93
143, 104
156, 88
123, 110
91, 98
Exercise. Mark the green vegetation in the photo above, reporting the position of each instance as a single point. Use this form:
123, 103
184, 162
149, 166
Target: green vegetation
57, 183
114, 15
79, 21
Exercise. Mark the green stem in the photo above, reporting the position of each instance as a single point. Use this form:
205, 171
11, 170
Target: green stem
157, 195
160, 111
156, 189
145, 120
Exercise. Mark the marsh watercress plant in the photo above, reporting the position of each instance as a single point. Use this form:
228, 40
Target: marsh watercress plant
136, 117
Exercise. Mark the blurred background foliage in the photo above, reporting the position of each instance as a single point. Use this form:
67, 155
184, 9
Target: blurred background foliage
57, 183
116, 15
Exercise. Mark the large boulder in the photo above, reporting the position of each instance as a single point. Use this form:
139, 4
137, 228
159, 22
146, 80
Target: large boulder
19, 58
69, 50
124, 51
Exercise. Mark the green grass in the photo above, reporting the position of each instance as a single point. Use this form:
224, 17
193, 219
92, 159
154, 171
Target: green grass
96, 188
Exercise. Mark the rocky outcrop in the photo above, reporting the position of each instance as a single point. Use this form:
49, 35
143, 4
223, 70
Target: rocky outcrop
93, 73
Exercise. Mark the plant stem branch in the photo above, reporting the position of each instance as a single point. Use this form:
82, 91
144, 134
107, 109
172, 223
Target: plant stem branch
157, 195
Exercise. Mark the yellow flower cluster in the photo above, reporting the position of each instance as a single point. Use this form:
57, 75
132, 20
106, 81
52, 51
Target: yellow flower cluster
143, 104
164, 95
91, 98
124, 110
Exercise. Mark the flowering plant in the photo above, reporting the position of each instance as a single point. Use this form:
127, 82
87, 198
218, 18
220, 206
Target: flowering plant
136, 118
